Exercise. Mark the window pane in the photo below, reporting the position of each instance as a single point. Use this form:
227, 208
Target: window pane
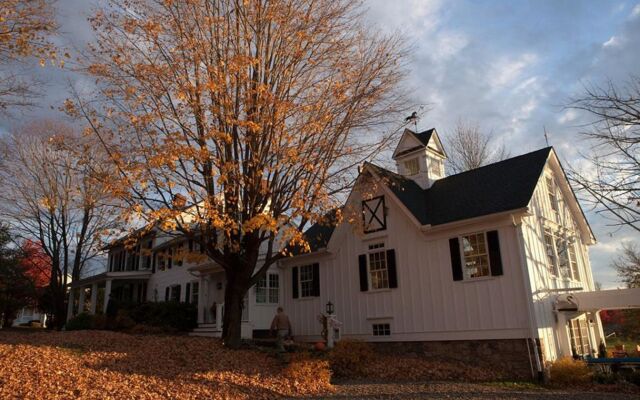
412, 166
574, 262
476, 258
306, 280
261, 290
563, 257
551, 255
378, 272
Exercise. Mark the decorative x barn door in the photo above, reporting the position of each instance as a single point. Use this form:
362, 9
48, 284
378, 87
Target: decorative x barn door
374, 214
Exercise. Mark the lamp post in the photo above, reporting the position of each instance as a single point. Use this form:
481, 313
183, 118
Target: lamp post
330, 308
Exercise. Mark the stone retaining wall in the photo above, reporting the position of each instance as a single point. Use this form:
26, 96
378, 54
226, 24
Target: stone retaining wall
510, 356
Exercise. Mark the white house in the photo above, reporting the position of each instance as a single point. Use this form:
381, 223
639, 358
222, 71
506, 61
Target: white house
491, 261
488, 261
158, 268
29, 315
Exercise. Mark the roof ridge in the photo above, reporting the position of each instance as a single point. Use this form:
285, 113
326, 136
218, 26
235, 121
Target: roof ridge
499, 162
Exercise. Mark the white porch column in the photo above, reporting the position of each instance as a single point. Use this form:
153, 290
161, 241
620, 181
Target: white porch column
107, 293
564, 340
94, 298
201, 303
81, 301
70, 305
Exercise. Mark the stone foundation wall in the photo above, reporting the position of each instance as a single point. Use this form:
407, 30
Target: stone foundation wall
509, 356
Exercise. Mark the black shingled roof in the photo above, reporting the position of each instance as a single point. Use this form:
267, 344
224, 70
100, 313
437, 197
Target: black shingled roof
494, 188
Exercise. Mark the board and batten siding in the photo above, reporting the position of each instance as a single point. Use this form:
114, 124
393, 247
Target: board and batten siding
428, 304
544, 285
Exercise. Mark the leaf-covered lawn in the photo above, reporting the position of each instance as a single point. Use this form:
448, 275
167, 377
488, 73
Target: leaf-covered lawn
109, 365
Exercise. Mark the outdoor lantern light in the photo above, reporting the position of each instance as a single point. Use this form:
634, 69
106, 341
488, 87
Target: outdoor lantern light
330, 308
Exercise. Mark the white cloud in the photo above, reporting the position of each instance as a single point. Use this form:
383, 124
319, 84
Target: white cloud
568, 116
507, 70
636, 11
612, 42
448, 44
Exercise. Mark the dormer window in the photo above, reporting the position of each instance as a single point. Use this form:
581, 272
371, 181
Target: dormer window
412, 167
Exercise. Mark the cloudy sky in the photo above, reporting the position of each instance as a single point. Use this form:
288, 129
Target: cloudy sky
508, 65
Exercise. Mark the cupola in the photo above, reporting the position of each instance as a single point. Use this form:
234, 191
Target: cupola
420, 157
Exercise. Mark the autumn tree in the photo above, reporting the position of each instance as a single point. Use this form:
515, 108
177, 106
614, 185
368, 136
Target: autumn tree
25, 26
610, 178
627, 264
468, 147
47, 195
247, 116
17, 289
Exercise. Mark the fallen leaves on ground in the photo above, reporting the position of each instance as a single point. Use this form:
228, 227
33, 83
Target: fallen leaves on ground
110, 365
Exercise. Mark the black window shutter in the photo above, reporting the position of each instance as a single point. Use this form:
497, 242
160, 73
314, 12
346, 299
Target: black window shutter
294, 282
178, 290
391, 268
170, 256
166, 294
153, 263
456, 263
190, 245
362, 264
495, 259
187, 293
316, 279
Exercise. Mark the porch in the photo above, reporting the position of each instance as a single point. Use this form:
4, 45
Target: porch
578, 312
211, 291
92, 294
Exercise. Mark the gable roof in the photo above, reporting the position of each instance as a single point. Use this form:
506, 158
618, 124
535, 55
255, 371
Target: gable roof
423, 139
425, 136
318, 234
502, 186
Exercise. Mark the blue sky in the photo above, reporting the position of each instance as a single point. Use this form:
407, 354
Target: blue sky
508, 65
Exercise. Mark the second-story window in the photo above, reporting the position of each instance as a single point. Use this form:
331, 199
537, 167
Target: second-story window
553, 197
573, 260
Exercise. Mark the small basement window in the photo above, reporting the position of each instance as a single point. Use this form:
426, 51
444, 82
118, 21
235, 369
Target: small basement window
382, 329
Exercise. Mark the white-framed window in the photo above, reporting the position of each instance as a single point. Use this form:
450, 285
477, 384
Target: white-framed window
561, 255
475, 255
381, 329
179, 254
174, 292
306, 281
579, 332
553, 197
377, 266
268, 289
436, 167
573, 261
195, 289
161, 261
411, 166
550, 251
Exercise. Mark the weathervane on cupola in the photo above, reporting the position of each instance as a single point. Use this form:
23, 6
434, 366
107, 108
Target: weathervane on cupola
412, 118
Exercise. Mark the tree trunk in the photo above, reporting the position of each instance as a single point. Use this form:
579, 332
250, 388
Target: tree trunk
232, 318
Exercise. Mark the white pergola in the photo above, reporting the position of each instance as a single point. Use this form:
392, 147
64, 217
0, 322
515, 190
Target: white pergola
571, 305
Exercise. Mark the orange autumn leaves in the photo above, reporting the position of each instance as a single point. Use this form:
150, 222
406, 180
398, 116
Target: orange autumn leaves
108, 365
